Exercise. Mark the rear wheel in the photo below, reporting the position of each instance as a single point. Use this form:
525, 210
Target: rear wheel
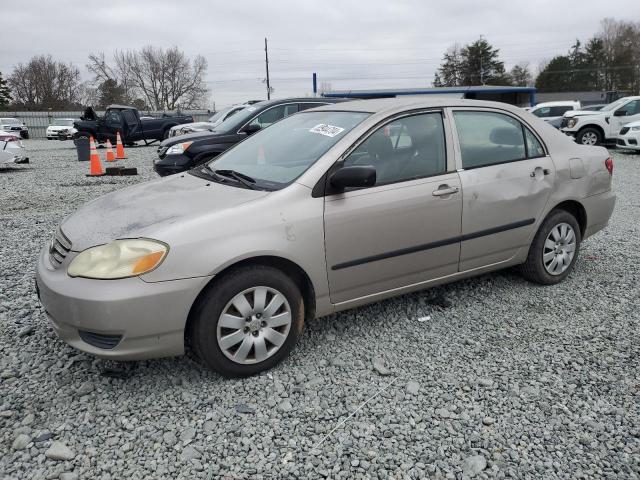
589, 136
247, 321
554, 249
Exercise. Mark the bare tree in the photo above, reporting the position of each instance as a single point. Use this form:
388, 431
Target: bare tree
162, 79
45, 83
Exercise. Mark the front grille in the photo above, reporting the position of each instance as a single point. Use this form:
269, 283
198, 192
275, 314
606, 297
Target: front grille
633, 141
621, 142
59, 248
624, 130
162, 151
564, 122
99, 340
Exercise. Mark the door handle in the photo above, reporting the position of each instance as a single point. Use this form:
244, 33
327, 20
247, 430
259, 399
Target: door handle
445, 190
545, 171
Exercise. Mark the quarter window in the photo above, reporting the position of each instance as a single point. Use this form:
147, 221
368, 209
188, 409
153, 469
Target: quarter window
488, 138
405, 149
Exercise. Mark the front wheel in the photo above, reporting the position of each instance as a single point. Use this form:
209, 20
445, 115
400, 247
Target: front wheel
247, 321
554, 250
589, 136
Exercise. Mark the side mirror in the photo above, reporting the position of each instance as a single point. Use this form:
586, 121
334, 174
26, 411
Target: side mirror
251, 128
620, 113
354, 176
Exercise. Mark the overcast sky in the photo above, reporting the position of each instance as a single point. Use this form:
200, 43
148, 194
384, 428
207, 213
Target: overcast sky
351, 44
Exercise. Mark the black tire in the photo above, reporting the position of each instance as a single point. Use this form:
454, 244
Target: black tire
25, 135
202, 334
585, 135
533, 269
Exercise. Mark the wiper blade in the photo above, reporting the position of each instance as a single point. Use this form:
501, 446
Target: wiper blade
245, 180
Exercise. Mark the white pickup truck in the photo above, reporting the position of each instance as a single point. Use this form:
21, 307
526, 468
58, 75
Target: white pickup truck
601, 126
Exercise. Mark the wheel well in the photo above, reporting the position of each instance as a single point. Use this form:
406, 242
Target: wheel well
577, 210
297, 274
596, 127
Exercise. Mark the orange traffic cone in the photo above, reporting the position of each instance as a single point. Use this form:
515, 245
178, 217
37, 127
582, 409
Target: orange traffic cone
95, 165
119, 148
110, 155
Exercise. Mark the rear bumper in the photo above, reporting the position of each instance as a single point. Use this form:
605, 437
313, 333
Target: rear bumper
599, 209
126, 319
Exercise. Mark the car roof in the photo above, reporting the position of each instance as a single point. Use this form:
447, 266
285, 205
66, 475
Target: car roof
269, 103
557, 103
390, 105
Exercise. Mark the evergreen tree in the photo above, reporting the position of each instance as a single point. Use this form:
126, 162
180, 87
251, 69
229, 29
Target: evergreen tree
5, 93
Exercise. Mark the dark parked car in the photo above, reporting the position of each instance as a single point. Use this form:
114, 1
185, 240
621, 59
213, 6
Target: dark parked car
178, 154
127, 121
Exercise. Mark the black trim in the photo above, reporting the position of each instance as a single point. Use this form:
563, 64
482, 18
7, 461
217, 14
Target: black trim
439, 243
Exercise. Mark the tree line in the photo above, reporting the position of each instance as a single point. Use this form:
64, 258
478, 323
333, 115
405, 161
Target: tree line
610, 60
150, 79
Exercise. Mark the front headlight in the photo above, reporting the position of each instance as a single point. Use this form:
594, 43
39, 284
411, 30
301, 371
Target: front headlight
572, 122
119, 259
178, 148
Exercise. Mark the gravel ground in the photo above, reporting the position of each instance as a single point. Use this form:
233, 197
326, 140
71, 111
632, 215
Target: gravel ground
489, 377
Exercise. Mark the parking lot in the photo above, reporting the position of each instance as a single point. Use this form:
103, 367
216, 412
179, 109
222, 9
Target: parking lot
487, 377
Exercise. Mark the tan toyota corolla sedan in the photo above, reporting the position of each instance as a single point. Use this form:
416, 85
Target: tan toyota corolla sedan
323, 211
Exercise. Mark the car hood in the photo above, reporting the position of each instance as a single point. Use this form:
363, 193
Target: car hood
149, 209
580, 113
198, 126
221, 137
632, 124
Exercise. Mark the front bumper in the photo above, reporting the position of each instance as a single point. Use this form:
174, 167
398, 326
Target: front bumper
170, 164
629, 140
144, 319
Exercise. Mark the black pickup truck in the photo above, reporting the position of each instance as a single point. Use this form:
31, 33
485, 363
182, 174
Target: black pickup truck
127, 121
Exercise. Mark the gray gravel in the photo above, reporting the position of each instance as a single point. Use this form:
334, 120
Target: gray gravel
489, 377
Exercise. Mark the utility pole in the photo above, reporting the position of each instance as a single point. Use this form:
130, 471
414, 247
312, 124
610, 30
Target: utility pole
481, 69
266, 64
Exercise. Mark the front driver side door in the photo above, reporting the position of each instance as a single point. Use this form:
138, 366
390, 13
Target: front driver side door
405, 229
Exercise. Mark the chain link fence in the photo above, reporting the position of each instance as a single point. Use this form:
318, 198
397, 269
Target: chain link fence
37, 122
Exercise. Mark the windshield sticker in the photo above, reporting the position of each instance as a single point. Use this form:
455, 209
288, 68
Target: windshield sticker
327, 130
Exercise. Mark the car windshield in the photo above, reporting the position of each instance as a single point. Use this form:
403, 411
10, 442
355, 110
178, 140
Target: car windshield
277, 155
614, 105
11, 121
62, 122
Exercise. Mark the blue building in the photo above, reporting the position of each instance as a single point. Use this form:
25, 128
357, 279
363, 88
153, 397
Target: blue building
520, 96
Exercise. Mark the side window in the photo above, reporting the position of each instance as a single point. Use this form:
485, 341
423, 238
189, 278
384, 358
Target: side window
559, 111
270, 116
543, 112
534, 147
290, 109
129, 117
632, 108
113, 118
405, 149
488, 138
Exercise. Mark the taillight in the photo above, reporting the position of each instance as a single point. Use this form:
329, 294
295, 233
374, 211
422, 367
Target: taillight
609, 164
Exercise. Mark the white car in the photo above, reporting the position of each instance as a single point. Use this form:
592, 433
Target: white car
15, 126
629, 136
597, 127
552, 112
215, 120
61, 129
12, 149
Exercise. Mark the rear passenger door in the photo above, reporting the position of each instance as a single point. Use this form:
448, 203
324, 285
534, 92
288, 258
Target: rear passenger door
506, 178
